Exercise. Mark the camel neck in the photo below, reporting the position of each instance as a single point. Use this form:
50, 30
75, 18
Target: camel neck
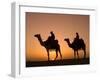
69, 44
40, 40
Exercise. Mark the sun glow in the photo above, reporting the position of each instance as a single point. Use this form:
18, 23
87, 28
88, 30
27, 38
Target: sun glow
52, 54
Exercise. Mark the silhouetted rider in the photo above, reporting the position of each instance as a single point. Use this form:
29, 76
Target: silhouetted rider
52, 35
77, 35
51, 38
76, 39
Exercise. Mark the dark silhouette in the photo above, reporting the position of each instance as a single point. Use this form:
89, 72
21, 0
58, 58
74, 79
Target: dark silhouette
50, 44
76, 38
76, 45
51, 38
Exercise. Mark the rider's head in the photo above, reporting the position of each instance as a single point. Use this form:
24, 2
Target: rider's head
76, 33
51, 32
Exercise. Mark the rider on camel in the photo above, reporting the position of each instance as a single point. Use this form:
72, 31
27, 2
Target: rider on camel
76, 39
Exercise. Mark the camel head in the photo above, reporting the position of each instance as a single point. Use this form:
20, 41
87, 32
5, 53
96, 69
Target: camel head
37, 35
39, 38
66, 39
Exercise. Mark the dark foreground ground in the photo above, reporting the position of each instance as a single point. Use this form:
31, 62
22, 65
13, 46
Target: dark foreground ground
58, 62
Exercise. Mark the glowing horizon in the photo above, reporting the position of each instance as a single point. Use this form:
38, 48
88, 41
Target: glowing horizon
63, 26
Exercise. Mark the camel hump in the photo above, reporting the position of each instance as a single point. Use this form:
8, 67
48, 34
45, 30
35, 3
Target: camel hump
82, 41
56, 41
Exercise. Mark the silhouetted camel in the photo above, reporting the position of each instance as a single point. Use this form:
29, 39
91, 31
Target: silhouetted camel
50, 46
77, 46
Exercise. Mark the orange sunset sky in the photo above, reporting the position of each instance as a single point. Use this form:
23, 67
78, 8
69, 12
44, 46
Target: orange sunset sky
63, 26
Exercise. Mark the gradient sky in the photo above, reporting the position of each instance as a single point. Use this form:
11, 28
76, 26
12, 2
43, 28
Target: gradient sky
63, 25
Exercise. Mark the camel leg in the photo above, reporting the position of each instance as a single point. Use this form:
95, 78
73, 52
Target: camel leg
84, 53
60, 54
48, 55
77, 54
56, 55
74, 54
